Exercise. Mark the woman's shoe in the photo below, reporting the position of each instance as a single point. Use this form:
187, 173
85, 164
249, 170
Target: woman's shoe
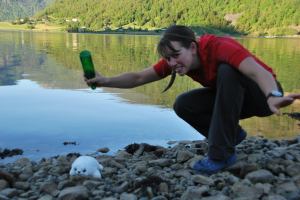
209, 166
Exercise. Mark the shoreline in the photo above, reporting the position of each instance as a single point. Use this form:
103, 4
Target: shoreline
59, 30
266, 169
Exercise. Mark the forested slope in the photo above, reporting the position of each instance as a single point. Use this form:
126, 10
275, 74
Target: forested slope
259, 17
14, 9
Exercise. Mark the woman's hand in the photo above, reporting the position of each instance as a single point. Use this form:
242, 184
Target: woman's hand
98, 80
275, 103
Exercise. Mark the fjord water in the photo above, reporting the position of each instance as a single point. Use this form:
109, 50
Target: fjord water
45, 102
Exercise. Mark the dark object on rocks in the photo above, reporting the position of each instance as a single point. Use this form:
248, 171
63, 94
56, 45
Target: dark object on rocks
132, 148
159, 152
149, 148
103, 150
294, 115
73, 154
139, 149
70, 143
9, 153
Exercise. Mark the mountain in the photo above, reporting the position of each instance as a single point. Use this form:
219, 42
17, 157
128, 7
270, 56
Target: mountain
14, 9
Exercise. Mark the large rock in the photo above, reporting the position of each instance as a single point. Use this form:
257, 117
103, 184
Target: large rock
46, 197
274, 197
74, 193
183, 156
241, 190
260, 176
3, 184
2, 197
22, 185
203, 180
126, 196
217, 197
288, 190
194, 193
49, 188
293, 170
9, 192
121, 188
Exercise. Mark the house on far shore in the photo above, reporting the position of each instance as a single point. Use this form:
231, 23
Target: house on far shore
72, 20
82, 29
119, 30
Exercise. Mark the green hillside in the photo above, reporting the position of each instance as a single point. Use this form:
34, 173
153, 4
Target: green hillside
256, 17
14, 9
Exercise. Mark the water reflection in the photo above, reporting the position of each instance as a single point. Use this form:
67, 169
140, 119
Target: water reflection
39, 120
50, 61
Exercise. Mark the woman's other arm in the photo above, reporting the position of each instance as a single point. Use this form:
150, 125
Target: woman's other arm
265, 80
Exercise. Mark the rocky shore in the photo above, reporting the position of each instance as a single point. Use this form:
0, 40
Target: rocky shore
266, 170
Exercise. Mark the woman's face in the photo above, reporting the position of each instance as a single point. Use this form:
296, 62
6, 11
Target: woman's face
184, 59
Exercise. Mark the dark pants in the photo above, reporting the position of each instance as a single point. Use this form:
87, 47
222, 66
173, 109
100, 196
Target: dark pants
215, 113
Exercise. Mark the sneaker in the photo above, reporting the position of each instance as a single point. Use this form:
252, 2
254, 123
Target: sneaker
209, 166
241, 136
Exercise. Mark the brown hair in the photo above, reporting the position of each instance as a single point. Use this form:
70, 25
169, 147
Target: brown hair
182, 34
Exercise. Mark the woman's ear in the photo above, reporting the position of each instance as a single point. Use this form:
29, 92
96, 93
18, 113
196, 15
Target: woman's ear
194, 47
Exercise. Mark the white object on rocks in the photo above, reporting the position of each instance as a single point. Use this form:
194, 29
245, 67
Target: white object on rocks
86, 166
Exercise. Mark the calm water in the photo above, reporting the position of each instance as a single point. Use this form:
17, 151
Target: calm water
44, 101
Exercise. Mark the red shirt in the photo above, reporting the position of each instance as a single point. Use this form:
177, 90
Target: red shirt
212, 51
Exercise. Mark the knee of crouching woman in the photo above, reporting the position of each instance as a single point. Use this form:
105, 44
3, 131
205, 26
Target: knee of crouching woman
179, 106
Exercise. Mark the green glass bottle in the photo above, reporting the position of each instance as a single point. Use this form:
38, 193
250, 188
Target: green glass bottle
87, 65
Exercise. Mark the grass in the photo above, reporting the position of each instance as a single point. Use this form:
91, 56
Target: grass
9, 26
38, 27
